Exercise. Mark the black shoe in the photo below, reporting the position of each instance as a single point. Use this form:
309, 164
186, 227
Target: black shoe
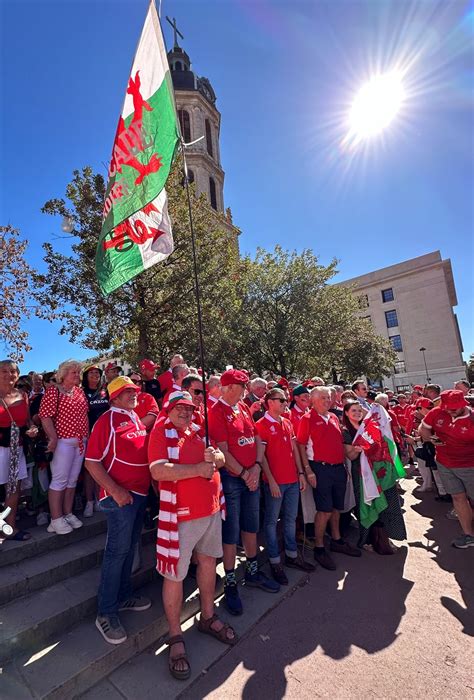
345, 548
299, 563
325, 560
279, 574
232, 599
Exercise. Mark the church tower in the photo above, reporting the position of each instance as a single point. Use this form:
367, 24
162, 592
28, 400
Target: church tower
199, 116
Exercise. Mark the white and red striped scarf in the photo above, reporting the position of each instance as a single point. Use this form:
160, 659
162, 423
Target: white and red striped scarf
167, 542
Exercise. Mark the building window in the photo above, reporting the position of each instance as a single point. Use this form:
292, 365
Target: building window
391, 318
387, 295
185, 124
399, 367
363, 301
209, 138
402, 388
178, 65
190, 175
396, 342
212, 193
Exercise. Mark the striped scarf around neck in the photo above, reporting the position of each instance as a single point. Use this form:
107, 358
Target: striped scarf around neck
167, 542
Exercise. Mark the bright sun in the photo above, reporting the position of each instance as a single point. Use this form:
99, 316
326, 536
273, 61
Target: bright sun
375, 106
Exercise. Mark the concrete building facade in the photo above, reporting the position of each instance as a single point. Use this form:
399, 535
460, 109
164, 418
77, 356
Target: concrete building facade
411, 304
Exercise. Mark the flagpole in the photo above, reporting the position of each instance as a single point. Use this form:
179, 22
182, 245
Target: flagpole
196, 287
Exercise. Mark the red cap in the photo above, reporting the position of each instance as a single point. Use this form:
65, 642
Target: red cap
424, 403
234, 376
418, 387
452, 399
283, 382
147, 364
113, 365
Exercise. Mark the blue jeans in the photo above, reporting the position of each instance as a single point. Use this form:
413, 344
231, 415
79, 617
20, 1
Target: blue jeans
288, 502
242, 508
124, 526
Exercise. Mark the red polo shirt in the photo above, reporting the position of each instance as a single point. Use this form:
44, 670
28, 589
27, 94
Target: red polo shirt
457, 435
196, 497
278, 440
166, 381
119, 440
322, 437
146, 404
234, 425
296, 416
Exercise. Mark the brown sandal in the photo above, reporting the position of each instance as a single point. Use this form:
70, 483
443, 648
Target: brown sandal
178, 673
205, 626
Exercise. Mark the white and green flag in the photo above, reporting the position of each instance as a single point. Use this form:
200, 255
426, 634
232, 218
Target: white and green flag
136, 228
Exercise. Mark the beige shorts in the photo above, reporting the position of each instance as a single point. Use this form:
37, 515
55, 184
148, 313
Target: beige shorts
203, 536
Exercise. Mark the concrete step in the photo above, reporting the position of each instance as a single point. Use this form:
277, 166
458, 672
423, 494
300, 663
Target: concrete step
33, 573
28, 622
42, 541
70, 663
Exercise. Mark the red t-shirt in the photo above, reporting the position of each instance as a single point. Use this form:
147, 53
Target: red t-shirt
457, 435
402, 414
323, 438
119, 440
296, 415
69, 413
234, 425
166, 381
278, 440
197, 497
146, 404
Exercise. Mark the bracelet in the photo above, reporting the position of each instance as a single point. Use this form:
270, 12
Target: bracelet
242, 472
301, 473
259, 464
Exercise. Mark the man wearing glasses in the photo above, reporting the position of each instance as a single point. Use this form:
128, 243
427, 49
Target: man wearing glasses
360, 390
192, 383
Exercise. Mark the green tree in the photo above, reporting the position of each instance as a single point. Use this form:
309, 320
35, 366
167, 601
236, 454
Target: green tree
154, 314
295, 322
15, 306
470, 369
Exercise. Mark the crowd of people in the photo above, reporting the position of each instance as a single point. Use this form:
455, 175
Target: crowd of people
215, 462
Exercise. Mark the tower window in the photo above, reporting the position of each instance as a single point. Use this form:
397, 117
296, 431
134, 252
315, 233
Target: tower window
178, 65
209, 138
212, 193
185, 124
190, 175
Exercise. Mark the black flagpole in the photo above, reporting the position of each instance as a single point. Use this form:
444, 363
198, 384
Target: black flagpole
198, 297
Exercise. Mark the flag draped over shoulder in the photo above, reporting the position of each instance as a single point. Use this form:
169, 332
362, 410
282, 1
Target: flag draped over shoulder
376, 476
136, 228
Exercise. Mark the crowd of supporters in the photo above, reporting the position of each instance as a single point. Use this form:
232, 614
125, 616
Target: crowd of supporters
224, 463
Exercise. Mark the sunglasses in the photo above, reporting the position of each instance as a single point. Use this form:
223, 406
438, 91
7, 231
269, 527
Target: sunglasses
277, 398
197, 392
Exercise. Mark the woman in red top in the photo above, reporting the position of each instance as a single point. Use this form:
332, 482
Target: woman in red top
15, 422
64, 416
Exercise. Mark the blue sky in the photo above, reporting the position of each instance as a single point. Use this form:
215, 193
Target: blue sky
285, 74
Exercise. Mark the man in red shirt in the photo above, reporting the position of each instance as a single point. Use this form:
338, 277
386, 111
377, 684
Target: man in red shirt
232, 428
452, 423
283, 478
214, 390
166, 378
191, 504
300, 405
147, 408
322, 455
117, 460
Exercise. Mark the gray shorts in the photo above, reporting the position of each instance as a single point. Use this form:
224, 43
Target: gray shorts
457, 480
203, 536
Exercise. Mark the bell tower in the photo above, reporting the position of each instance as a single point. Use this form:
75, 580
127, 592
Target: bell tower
199, 116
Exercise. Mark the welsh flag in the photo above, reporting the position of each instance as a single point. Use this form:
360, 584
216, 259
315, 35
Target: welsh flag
136, 229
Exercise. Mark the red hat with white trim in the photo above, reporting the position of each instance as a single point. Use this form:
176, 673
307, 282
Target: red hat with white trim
178, 398
119, 384
234, 376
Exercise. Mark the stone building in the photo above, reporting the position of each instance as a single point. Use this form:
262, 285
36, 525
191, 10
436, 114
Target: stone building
199, 117
411, 304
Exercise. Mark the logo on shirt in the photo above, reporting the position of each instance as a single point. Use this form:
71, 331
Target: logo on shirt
184, 511
440, 421
464, 429
272, 429
245, 441
136, 434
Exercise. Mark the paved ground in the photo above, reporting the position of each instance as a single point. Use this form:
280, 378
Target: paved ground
382, 627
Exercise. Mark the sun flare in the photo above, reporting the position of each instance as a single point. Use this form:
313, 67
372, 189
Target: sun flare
375, 106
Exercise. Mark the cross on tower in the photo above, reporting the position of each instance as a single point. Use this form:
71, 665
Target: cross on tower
176, 31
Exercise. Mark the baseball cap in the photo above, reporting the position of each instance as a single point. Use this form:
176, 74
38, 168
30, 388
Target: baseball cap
452, 399
147, 365
87, 368
283, 382
424, 403
418, 387
113, 365
300, 389
178, 398
119, 384
234, 376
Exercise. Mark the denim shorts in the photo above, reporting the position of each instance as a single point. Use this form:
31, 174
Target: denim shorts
330, 491
242, 508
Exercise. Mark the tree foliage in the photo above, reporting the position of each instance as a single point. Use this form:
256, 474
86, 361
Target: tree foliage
15, 278
470, 369
154, 314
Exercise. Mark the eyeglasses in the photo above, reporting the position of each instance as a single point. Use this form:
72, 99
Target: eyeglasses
277, 398
137, 381
197, 392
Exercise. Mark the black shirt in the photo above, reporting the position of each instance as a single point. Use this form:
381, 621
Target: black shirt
152, 386
98, 401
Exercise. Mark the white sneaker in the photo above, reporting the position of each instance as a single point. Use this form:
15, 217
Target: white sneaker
42, 519
74, 522
60, 526
89, 509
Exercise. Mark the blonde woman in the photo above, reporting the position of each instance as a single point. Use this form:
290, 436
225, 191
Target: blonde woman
63, 414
